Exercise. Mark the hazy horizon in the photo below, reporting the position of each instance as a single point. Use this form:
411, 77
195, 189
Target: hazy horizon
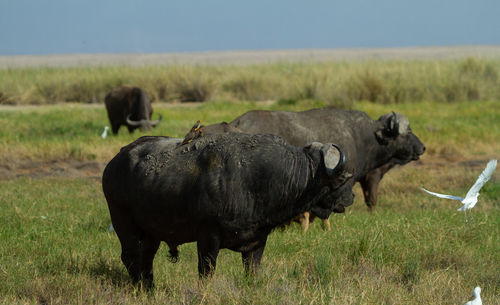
155, 26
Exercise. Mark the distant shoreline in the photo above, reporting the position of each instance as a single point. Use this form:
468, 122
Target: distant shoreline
248, 57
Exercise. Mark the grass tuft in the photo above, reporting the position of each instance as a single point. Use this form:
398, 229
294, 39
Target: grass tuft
194, 87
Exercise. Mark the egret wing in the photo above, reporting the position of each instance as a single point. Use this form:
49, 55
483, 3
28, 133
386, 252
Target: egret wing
482, 179
444, 196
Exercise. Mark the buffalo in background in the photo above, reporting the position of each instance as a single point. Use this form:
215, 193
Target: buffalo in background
373, 146
222, 191
129, 106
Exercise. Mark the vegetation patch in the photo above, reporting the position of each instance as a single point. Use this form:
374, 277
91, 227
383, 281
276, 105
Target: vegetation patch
337, 83
55, 247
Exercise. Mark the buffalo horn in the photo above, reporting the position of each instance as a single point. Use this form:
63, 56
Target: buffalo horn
334, 159
133, 123
394, 124
155, 122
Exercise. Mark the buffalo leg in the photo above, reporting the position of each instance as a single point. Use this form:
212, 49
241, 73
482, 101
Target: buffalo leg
131, 254
370, 182
251, 259
148, 250
304, 221
115, 128
326, 224
208, 249
134, 247
131, 129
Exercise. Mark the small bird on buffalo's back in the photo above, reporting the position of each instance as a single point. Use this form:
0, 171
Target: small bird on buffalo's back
195, 132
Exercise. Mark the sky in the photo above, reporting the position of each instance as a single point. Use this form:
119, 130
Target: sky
159, 26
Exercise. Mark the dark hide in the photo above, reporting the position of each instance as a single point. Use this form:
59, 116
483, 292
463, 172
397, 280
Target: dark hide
131, 107
221, 191
220, 128
372, 147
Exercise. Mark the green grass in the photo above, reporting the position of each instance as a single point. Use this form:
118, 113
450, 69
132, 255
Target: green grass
72, 132
61, 133
55, 248
411, 250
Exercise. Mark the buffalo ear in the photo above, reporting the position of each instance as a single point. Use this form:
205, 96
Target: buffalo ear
394, 125
313, 146
381, 138
389, 129
312, 150
333, 158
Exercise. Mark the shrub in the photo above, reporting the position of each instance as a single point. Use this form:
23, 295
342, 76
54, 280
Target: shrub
366, 86
246, 88
194, 88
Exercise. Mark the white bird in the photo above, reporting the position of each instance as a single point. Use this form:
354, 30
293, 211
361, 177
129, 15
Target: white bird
470, 199
476, 294
105, 132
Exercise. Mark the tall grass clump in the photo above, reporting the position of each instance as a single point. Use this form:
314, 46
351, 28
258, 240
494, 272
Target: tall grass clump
472, 81
336, 83
366, 86
193, 85
248, 87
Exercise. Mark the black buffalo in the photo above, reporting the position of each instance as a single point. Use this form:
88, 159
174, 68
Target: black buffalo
373, 146
129, 106
221, 191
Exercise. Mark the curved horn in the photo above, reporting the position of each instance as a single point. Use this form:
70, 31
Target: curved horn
334, 159
394, 124
342, 158
132, 123
155, 122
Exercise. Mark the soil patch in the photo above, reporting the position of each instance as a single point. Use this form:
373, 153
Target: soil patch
52, 168
94, 169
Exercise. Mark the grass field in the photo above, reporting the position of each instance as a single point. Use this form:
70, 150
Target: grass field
249, 57
414, 249
340, 83
55, 247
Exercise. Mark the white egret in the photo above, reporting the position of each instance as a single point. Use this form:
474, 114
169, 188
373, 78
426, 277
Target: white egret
476, 294
105, 132
470, 199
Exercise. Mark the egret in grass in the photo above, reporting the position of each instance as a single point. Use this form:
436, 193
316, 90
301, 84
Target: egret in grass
470, 199
476, 294
105, 132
